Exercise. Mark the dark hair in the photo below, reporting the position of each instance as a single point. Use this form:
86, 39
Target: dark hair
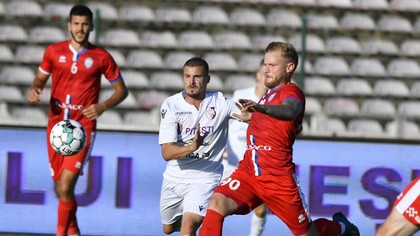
287, 50
198, 61
81, 10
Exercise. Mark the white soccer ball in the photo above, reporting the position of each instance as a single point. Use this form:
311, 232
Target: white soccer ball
68, 137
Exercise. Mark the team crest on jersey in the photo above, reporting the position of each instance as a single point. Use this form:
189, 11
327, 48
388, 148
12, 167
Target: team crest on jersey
163, 113
211, 112
271, 97
62, 59
88, 62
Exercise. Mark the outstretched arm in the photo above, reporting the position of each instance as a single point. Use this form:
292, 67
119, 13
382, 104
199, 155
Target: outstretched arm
288, 110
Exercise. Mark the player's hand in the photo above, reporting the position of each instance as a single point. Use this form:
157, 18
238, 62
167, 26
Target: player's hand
93, 111
245, 115
34, 95
198, 139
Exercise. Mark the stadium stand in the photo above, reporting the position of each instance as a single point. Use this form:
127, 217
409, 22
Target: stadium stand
362, 49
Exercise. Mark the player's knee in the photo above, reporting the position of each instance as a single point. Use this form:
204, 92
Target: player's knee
223, 205
168, 229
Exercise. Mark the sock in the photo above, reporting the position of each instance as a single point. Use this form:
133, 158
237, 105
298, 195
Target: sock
257, 225
73, 229
343, 228
65, 210
212, 224
327, 227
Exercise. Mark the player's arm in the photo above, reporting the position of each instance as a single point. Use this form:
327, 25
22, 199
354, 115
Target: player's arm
288, 110
172, 151
38, 84
120, 93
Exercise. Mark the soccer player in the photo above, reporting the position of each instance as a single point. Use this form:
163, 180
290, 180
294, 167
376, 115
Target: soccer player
76, 67
404, 219
267, 172
192, 135
237, 144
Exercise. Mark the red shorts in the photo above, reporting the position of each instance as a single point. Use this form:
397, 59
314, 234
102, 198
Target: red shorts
408, 202
281, 194
73, 163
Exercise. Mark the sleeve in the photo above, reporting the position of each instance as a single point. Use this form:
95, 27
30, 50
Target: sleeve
233, 109
110, 68
47, 62
168, 131
293, 93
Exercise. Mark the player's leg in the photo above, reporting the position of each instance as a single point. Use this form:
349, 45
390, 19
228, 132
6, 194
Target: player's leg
397, 224
171, 206
258, 220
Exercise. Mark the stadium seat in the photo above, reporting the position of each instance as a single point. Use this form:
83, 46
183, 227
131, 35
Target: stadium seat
378, 108
2, 11
135, 79
6, 54
210, 15
394, 23
221, 61
106, 10
343, 44
371, 4
353, 87
250, 61
275, 17
402, 129
142, 120
409, 109
118, 56
195, 39
176, 59
405, 5
417, 25
130, 102
329, 127
410, 47
216, 83
246, 17
335, 4
368, 128
139, 58
166, 80
403, 68
238, 81
120, 37
159, 39
110, 119
331, 65
9, 93
133, 12
367, 67
309, 69
322, 21
260, 42
29, 53
24, 8
231, 40
173, 14
317, 85
12, 33
46, 34
5, 116
17, 75
151, 99
305, 3
312, 106
57, 10
390, 88
341, 106
357, 21
415, 89
313, 42
379, 46
29, 116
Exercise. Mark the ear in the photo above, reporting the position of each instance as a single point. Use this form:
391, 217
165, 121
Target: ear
208, 79
68, 26
290, 67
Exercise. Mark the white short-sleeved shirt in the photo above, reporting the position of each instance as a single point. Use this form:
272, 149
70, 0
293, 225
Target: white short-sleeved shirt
179, 121
237, 130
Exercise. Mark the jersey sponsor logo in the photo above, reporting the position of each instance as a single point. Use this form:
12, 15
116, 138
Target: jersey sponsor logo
69, 106
181, 113
163, 113
62, 59
205, 129
258, 147
301, 218
211, 112
88, 62
198, 155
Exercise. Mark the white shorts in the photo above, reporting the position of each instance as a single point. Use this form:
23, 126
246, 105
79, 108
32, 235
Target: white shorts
178, 198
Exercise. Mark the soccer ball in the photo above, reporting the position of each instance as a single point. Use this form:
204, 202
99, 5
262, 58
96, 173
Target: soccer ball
68, 137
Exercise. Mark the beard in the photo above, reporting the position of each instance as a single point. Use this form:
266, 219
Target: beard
83, 40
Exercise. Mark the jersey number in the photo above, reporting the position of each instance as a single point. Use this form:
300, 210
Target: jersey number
233, 183
73, 69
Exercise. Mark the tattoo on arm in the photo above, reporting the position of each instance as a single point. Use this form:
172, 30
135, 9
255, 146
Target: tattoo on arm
289, 110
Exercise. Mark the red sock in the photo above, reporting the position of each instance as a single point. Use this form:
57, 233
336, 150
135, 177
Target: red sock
73, 226
326, 227
212, 224
65, 211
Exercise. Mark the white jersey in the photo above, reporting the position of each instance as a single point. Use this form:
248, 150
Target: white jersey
179, 121
237, 130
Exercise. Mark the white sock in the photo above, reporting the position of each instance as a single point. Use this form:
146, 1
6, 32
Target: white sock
257, 225
343, 228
